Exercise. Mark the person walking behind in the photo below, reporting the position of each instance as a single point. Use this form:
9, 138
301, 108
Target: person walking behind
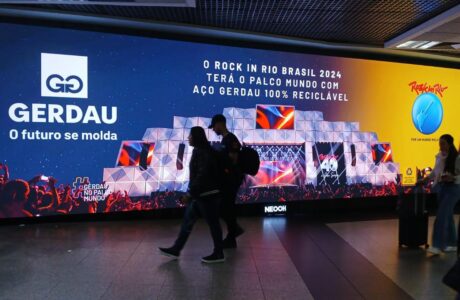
445, 176
203, 197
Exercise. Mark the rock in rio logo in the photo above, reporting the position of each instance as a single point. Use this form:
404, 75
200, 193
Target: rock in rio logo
427, 111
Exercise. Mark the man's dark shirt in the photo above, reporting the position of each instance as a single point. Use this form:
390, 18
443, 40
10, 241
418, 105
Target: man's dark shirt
230, 143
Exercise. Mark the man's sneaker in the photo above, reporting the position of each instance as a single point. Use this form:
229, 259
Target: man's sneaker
170, 252
229, 243
434, 250
450, 249
213, 258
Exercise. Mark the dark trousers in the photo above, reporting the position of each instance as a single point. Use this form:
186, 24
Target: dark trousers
228, 212
209, 209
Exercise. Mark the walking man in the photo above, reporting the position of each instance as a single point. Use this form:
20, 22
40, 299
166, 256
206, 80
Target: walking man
233, 178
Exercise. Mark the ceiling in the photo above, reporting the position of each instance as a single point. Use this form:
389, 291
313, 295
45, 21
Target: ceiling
359, 22
439, 34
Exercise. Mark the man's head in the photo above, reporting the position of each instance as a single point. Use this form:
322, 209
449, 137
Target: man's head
219, 124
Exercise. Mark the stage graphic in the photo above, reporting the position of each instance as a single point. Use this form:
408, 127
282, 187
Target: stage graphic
314, 152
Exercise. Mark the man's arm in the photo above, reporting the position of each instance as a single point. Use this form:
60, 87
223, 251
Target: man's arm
457, 170
234, 147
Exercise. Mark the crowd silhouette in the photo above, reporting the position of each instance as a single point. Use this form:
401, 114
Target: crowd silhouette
35, 197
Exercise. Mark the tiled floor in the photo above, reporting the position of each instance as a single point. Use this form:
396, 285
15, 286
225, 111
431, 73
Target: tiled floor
415, 271
119, 260
278, 258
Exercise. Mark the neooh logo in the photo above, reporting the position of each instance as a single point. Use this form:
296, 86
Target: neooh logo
275, 209
64, 76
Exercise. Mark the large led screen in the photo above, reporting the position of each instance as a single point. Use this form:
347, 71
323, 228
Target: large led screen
97, 122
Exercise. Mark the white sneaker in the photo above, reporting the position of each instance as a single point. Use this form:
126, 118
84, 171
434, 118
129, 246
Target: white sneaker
450, 249
434, 250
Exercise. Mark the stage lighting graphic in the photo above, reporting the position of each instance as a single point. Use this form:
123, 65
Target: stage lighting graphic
275, 117
382, 153
275, 173
280, 165
135, 153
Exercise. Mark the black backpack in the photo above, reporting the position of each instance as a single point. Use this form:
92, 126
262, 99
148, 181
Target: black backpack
249, 161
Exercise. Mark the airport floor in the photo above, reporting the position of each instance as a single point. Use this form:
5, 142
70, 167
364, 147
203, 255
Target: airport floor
277, 258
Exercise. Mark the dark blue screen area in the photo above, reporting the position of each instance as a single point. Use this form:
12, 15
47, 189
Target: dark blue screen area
149, 80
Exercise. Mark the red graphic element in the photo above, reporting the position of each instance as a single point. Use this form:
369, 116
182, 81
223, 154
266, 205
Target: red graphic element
328, 156
275, 173
133, 151
275, 117
382, 153
421, 88
124, 160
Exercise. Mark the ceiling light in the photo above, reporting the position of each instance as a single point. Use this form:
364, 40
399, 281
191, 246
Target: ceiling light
407, 44
418, 44
429, 45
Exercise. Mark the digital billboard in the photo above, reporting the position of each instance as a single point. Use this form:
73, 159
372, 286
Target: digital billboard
97, 122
